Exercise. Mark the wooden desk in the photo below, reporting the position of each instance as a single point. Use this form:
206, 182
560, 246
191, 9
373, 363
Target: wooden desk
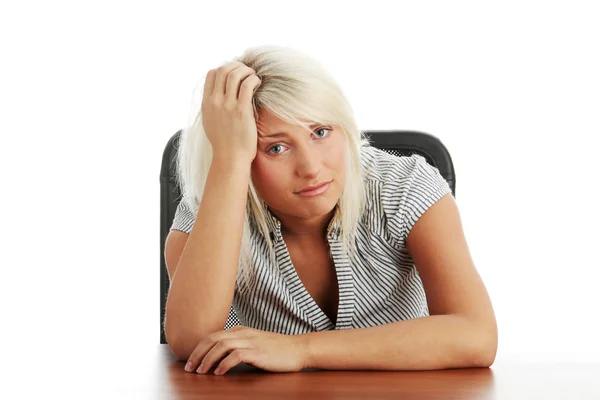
133, 370
519, 381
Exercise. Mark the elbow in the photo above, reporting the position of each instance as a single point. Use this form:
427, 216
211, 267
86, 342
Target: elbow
182, 344
178, 355
182, 347
183, 338
484, 353
178, 350
176, 345
483, 358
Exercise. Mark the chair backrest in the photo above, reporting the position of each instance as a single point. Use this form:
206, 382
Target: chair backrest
398, 143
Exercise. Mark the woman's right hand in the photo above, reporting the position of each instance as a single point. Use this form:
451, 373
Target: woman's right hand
228, 118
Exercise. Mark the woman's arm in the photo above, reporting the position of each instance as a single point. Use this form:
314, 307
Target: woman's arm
461, 330
433, 342
203, 284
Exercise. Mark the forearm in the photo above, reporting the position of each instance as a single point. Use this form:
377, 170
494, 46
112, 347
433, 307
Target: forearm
203, 285
433, 342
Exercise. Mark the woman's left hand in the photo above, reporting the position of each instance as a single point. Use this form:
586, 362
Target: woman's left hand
270, 351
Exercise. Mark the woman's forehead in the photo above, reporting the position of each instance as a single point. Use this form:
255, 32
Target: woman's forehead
273, 126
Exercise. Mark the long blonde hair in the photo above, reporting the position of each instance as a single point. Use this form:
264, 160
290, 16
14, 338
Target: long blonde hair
293, 87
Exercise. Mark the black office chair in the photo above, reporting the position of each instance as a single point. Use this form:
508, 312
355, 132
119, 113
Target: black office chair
398, 143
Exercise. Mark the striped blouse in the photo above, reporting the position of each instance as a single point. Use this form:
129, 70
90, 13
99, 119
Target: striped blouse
378, 284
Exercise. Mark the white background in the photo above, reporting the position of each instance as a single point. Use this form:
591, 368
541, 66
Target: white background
92, 91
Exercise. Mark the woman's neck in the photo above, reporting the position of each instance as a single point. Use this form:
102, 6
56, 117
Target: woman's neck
303, 229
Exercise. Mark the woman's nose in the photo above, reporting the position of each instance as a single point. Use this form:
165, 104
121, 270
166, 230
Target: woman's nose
308, 163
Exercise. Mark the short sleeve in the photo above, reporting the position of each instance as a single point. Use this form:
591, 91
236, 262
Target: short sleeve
184, 217
410, 188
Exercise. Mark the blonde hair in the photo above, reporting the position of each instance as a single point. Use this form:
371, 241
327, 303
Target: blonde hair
293, 87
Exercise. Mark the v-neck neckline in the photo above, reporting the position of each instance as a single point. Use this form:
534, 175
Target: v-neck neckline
345, 282
306, 305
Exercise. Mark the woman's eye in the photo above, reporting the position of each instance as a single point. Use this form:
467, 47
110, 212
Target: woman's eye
324, 134
277, 149
277, 146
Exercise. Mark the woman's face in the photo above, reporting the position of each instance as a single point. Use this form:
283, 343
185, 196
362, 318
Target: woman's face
294, 159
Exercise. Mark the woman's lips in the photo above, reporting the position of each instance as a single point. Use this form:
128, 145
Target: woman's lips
316, 191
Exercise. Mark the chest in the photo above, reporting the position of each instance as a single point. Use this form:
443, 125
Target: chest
316, 271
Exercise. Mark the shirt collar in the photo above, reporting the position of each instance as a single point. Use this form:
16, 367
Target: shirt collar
274, 225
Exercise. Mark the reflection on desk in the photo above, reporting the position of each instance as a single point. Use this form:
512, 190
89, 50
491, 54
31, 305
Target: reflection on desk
517, 381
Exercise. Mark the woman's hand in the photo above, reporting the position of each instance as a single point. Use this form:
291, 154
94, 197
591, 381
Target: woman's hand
227, 113
266, 350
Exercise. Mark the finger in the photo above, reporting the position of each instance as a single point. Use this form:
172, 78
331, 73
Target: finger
247, 89
209, 84
222, 72
218, 352
238, 356
209, 341
233, 82
201, 349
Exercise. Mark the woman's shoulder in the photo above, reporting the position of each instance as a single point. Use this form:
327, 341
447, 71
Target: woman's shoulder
381, 166
399, 189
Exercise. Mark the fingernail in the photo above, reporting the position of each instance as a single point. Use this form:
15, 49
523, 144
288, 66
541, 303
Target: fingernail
199, 370
217, 371
188, 366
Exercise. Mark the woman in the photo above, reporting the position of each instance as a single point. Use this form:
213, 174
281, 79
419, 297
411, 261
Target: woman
333, 254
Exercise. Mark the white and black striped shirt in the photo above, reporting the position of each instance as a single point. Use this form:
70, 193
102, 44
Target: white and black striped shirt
378, 285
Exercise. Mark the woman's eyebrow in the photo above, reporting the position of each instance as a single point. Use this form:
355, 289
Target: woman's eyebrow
274, 135
284, 134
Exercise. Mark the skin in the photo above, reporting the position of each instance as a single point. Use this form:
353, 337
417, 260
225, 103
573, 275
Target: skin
285, 164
